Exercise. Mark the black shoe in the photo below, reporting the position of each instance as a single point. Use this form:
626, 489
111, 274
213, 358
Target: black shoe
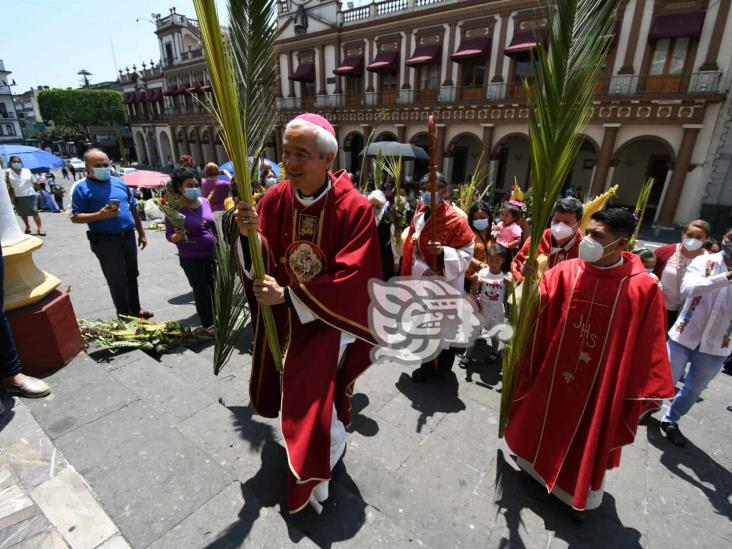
577, 516
647, 415
421, 374
673, 433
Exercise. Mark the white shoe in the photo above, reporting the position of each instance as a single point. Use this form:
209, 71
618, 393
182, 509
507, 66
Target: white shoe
314, 504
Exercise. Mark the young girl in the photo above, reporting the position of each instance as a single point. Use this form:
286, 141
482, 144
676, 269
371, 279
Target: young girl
508, 232
490, 287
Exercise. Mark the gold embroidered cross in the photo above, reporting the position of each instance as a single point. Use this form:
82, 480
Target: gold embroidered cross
585, 357
568, 377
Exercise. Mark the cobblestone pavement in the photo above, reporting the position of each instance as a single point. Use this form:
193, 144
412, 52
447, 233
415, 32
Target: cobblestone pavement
175, 458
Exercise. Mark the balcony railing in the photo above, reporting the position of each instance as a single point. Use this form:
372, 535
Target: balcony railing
194, 110
383, 8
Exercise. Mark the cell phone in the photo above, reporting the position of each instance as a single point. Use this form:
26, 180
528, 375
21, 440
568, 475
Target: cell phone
113, 203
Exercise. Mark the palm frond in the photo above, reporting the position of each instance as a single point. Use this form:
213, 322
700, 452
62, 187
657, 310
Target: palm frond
559, 100
242, 77
479, 182
640, 210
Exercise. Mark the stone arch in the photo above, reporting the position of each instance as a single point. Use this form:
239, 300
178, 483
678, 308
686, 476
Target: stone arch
421, 167
386, 136
219, 147
580, 176
353, 144
166, 149
464, 151
636, 160
141, 148
512, 156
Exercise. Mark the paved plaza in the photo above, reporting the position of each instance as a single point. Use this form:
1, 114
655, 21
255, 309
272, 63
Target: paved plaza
163, 454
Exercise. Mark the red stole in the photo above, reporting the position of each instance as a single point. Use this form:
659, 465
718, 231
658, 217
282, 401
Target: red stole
452, 230
340, 228
597, 362
545, 248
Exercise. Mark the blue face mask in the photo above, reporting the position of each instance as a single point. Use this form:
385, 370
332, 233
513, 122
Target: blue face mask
480, 224
102, 174
192, 193
16, 166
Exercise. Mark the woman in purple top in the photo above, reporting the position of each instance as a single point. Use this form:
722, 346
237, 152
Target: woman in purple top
216, 188
196, 242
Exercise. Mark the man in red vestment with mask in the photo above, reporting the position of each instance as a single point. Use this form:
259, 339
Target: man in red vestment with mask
558, 243
453, 251
320, 248
597, 362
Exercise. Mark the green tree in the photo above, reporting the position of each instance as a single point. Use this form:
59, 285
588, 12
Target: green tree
60, 133
82, 107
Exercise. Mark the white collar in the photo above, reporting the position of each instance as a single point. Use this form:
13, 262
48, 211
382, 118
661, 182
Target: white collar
310, 200
618, 264
567, 246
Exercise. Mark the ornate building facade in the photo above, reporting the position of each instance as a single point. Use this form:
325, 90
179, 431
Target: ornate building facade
388, 65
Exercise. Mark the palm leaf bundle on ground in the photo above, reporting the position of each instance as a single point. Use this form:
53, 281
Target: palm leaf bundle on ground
640, 210
559, 99
243, 77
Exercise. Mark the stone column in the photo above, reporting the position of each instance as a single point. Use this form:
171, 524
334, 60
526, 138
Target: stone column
450, 50
338, 57
291, 84
603, 162
441, 128
278, 142
199, 148
710, 64
321, 71
632, 45
212, 146
406, 84
401, 133
365, 173
503, 22
676, 185
369, 59
487, 144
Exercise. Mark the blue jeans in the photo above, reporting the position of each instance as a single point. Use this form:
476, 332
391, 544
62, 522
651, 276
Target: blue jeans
702, 370
8, 356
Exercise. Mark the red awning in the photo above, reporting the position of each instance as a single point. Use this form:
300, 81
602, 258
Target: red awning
351, 66
129, 98
194, 88
206, 86
305, 73
677, 25
140, 96
172, 90
155, 95
472, 48
386, 61
425, 55
524, 42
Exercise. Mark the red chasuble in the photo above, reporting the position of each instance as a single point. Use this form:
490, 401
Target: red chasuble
545, 248
325, 254
597, 362
452, 231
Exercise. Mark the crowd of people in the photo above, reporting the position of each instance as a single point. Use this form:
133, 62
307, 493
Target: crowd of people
615, 329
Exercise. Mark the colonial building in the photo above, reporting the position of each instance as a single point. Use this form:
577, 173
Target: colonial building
386, 66
10, 131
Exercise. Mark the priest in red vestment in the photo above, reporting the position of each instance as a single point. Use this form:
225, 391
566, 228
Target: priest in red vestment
320, 248
597, 362
452, 253
558, 243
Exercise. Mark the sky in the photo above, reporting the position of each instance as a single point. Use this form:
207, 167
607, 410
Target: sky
46, 42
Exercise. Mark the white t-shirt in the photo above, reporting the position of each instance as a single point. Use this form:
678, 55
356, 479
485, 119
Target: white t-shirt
492, 296
22, 183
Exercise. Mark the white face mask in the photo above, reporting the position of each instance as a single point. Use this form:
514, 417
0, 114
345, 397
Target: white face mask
592, 251
692, 244
649, 270
561, 231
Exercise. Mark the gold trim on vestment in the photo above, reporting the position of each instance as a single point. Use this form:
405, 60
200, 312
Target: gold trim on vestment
334, 314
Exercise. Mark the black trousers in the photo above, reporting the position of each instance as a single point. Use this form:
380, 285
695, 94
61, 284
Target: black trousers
201, 274
445, 360
117, 255
8, 356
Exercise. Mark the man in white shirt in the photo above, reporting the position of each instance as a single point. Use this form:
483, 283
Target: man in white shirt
702, 333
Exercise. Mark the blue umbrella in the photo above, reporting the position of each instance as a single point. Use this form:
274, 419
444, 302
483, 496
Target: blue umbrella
229, 166
33, 158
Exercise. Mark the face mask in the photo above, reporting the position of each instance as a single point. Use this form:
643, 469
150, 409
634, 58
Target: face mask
649, 270
102, 174
591, 250
192, 193
271, 181
411, 195
427, 198
692, 244
16, 166
480, 224
727, 249
560, 231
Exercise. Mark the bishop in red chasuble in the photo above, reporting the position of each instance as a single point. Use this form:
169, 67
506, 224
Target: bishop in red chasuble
320, 247
597, 362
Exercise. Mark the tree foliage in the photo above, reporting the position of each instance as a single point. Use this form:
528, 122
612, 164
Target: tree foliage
60, 133
82, 107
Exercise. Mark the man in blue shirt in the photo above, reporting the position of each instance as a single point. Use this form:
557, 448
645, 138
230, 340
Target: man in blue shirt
106, 204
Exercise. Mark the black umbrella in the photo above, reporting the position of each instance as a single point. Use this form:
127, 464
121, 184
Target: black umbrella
392, 148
